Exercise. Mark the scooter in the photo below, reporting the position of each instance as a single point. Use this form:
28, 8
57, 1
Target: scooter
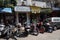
49, 28
41, 27
21, 31
34, 30
27, 29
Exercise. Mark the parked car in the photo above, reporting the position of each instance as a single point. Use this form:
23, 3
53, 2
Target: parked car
53, 22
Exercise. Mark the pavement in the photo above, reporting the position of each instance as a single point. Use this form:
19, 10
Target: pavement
46, 36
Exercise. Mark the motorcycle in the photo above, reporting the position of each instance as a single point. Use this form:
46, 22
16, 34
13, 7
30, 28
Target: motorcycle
2, 27
34, 30
41, 27
49, 28
6, 31
21, 31
27, 29
9, 32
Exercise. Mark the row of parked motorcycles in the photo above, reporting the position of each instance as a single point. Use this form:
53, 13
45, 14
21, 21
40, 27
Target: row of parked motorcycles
13, 31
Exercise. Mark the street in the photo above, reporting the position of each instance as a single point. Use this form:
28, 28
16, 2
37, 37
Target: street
46, 36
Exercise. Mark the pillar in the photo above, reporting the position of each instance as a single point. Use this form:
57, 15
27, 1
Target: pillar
28, 19
17, 18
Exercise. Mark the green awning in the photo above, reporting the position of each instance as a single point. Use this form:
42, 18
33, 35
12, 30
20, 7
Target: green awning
46, 10
35, 9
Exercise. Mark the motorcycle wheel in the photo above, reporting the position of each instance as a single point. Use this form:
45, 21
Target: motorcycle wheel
36, 32
17, 34
55, 28
50, 31
42, 30
25, 34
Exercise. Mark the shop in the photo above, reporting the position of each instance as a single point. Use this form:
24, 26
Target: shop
22, 14
55, 12
7, 15
28, 15
35, 14
45, 13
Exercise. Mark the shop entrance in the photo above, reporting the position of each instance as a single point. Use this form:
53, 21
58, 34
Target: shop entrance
22, 18
34, 18
4, 17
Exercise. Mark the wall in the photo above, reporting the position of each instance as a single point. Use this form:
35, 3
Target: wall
30, 3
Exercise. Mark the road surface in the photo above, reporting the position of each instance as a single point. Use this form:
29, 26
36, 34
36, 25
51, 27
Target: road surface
46, 36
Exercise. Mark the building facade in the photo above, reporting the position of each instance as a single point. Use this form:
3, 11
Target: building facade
35, 9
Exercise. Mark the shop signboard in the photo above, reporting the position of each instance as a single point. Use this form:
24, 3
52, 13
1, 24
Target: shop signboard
55, 8
22, 9
35, 9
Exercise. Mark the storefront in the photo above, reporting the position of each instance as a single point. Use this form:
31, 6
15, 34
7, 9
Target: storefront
6, 15
55, 12
26, 14
22, 14
45, 13
35, 14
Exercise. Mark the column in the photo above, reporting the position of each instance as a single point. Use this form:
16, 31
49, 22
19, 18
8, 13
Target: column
28, 19
17, 18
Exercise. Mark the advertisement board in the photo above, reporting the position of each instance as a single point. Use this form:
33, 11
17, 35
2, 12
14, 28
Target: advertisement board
22, 9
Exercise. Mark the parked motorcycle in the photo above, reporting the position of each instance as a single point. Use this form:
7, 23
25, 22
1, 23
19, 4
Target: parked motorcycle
21, 31
2, 27
49, 28
9, 32
41, 27
34, 30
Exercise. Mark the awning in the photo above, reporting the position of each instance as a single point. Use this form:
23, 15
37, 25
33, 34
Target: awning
35, 9
7, 10
55, 9
46, 10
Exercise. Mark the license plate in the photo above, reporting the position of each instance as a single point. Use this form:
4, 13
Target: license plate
0, 33
35, 32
